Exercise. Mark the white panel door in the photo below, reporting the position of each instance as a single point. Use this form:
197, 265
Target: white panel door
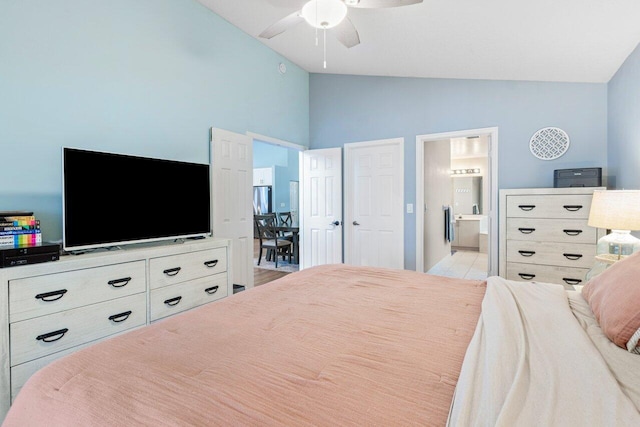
321, 208
374, 196
232, 199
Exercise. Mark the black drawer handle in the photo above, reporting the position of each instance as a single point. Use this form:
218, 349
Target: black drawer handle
173, 301
172, 271
572, 232
527, 253
46, 337
526, 276
117, 318
572, 257
212, 290
526, 230
211, 264
527, 207
572, 208
119, 283
569, 281
51, 296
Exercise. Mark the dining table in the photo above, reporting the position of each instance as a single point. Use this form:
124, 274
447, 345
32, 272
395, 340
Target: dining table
294, 229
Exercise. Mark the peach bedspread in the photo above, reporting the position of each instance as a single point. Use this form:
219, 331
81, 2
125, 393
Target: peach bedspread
331, 345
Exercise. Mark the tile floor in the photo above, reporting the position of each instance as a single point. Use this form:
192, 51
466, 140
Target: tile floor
462, 264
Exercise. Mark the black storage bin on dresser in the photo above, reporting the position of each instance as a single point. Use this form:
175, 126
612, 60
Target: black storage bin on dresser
585, 177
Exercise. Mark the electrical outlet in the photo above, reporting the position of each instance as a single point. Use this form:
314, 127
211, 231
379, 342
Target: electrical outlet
282, 205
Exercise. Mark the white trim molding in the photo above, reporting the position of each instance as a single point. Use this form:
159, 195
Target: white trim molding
492, 132
276, 141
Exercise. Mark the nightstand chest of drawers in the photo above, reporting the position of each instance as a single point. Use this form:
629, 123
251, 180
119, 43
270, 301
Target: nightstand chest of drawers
544, 236
52, 309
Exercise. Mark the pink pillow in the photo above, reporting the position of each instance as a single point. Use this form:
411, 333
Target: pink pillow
614, 297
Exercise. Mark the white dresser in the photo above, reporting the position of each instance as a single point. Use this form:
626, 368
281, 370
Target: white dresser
52, 309
544, 236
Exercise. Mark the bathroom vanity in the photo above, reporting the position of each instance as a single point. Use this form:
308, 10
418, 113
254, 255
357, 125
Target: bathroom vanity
470, 230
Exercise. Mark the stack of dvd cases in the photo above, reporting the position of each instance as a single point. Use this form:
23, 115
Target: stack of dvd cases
19, 228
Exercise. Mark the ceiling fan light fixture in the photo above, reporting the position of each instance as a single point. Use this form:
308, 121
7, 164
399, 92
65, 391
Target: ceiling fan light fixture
324, 14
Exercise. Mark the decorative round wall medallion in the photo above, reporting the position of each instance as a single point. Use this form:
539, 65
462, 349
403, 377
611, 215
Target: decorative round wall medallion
549, 143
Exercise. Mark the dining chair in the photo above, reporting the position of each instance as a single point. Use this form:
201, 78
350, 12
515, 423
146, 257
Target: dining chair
270, 239
286, 219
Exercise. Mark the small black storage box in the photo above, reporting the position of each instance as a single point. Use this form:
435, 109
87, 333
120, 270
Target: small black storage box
586, 177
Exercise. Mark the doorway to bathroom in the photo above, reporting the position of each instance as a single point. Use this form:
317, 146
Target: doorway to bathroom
456, 200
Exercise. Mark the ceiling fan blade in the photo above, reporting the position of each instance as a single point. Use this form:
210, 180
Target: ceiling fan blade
374, 4
346, 33
282, 25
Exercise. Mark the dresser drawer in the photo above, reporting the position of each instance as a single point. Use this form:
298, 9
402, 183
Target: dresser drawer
43, 295
173, 299
563, 206
551, 230
173, 269
566, 276
21, 373
44, 335
558, 254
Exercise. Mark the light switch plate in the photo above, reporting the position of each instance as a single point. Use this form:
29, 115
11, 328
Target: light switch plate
409, 207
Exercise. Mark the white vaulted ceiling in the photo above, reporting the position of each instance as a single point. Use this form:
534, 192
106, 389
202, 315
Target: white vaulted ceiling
541, 40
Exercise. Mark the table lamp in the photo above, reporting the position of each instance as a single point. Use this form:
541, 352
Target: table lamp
618, 211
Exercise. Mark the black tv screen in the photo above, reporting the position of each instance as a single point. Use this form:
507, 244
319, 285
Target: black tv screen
111, 199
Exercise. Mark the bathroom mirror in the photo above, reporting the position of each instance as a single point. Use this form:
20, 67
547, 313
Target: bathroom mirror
467, 195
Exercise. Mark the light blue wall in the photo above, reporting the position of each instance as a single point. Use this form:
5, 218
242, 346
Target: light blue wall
623, 147
150, 77
266, 155
355, 108
143, 77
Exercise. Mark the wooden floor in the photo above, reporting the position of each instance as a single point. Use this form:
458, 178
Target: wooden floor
260, 275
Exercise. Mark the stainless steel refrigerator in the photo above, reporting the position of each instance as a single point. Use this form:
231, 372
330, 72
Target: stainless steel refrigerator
262, 202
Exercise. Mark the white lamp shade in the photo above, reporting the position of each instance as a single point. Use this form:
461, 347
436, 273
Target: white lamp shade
615, 209
324, 13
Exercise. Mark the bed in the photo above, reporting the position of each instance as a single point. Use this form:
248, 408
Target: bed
343, 345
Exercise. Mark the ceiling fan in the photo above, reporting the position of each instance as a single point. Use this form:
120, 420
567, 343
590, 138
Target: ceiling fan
330, 14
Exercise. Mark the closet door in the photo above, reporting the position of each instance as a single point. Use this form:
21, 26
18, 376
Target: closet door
321, 208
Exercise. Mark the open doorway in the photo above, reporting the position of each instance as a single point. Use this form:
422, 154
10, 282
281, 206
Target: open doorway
276, 191
231, 160
456, 199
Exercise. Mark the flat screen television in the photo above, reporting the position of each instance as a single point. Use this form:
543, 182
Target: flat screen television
112, 199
